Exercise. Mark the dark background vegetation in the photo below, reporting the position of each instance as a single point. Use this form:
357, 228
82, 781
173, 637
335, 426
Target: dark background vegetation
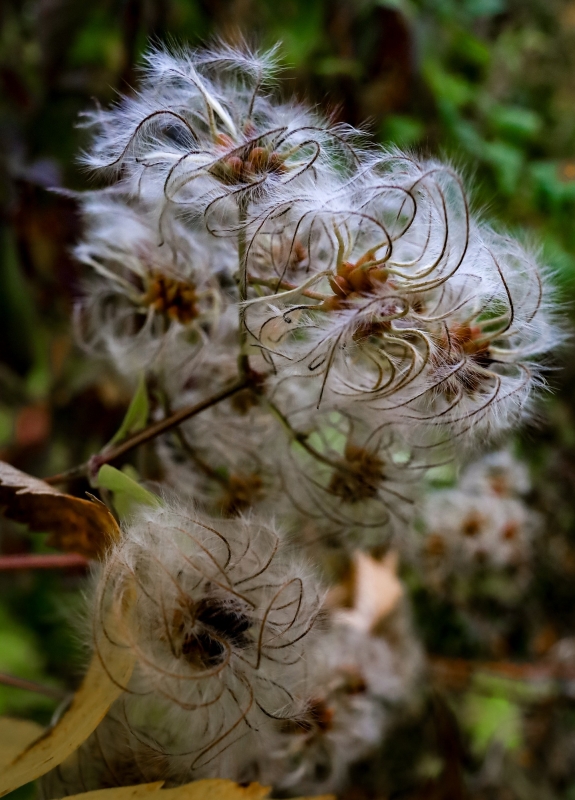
489, 84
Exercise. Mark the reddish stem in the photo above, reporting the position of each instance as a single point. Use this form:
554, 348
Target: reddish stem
457, 672
91, 467
44, 561
31, 686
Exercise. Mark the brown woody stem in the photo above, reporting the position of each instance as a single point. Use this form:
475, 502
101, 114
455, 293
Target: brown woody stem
31, 686
43, 561
243, 359
301, 438
457, 672
91, 467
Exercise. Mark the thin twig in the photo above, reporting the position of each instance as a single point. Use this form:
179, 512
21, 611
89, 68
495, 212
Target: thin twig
243, 359
457, 672
242, 250
206, 468
271, 283
92, 466
43, 561
302, 438
31, 686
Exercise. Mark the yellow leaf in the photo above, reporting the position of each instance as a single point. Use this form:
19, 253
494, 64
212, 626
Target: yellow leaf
76, 525
16, 735
101, 686
149, 791
209, 789
215, 790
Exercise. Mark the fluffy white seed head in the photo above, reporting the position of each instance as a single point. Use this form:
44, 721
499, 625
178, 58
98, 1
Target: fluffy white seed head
221, 611
223, 459
148, 304
202, 131
402, 305
362, 680
482, 524
346, 485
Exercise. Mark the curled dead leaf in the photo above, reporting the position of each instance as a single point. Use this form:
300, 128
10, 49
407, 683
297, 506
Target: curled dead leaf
216, 790
208, 789
76, 525
139, 792
108, 674
16, 735
373, 592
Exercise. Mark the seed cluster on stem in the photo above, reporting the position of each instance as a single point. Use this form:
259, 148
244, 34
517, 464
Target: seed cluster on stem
326, 321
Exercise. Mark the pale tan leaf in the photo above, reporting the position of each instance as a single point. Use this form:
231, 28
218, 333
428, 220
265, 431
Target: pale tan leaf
143, 791
215, 789
76, 525
375, 591
101, 686
15, 736
209, 789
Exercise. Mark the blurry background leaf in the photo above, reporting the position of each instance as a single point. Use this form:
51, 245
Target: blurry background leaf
493, 719
20, 654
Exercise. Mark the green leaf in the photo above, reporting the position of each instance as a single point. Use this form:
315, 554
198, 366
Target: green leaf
448, 87
484, 8
402, 130
552, 188
507, 162
561, 262
471, 50
21, 654
6, 425
441, 476
339, 66
329, 437
493, 718
136, 415
514, 123
125, 489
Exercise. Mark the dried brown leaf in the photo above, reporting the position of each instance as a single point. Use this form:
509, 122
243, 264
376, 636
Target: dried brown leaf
375, 591
143, 791
76, 525
209, 789
16, 735
215, 790
101, 686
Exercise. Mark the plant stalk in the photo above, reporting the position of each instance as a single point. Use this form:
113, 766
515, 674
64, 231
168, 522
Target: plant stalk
243, 358
43, 561
90, 468
31, 686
